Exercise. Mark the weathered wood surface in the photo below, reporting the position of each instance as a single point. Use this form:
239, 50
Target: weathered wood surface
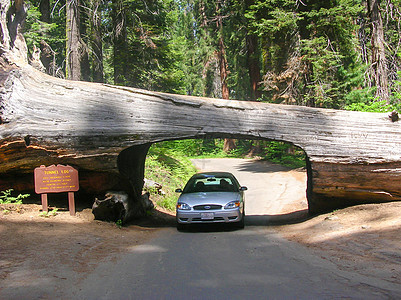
353, 156
87, 118
117, 207
105, 132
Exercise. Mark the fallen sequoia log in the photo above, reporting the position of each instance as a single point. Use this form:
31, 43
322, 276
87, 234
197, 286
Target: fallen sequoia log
105, 132
117, 206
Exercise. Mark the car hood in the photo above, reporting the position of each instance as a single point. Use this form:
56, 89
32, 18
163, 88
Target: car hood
220, 198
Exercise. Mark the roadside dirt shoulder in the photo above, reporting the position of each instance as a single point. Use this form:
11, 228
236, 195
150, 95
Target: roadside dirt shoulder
57, 250
365, 238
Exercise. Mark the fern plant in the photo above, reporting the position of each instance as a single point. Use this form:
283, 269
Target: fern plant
6, 198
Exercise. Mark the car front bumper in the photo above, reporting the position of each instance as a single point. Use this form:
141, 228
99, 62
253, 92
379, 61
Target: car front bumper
214, 216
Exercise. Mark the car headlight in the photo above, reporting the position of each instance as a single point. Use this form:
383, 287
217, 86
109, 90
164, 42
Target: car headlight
232, 204
183, 206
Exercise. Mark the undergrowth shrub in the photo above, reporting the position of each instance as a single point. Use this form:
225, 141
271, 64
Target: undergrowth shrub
6, 197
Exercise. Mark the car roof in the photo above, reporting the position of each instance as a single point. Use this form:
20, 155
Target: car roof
212, 174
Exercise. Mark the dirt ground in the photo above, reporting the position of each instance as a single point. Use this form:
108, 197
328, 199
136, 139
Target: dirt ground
59, 248
363, 239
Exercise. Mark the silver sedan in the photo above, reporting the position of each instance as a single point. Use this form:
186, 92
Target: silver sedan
211, 197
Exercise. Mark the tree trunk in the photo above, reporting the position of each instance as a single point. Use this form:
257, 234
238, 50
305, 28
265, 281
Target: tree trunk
44, 8
46, 55
120, 46
253, 60
202, 13
83, 50
253, 66
105, 132
12, 18
353, 157
221, 54
116, 207
73, 47
96, 42
379, 61
229, 144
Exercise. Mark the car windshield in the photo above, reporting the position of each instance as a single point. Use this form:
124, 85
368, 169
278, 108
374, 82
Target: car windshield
211, 183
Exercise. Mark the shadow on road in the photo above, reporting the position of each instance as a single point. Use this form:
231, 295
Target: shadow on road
282, 219
261, 167
157, 219
160, 219
217, 227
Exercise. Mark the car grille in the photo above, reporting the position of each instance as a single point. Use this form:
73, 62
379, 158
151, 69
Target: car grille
207, 207
215, 219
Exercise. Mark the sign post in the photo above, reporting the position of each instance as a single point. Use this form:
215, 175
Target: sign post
56, 179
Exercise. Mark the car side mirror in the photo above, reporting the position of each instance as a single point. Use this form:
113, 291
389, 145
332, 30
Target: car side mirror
243, 188
178, 190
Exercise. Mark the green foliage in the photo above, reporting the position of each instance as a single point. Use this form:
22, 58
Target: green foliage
309, 51
277, 152
168, 163
48, 214
364, 100
53, 32
170, 168
36, 30
119, 223
396, 89
6, 198
191, 49
143, 53
374, 106
197, 147
284, 154
312, 53
359, 96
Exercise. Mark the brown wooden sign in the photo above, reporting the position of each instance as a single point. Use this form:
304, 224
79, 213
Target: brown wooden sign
56, 179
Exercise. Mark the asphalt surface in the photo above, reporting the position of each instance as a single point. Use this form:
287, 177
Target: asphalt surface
217, 262
245, 264
271, 187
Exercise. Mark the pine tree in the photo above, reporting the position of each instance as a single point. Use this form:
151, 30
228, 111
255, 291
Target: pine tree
379, 60
95, 38
318, 53
76, 50
309, 52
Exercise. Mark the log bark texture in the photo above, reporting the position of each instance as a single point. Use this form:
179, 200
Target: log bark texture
105, 132
353, 157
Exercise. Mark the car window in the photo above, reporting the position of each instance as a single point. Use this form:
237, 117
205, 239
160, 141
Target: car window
211, 184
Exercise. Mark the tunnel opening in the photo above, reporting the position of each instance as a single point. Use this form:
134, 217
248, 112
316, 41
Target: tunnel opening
157, 169
275, 172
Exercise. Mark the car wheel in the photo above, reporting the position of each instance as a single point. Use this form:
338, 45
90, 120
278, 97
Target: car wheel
241, 224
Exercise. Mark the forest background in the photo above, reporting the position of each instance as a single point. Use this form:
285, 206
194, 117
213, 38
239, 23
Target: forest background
340, 54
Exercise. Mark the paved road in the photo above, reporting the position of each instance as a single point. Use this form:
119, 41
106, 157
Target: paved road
273, 189
248, 264
218, 263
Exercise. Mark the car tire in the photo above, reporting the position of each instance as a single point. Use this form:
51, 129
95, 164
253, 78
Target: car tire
241, 224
